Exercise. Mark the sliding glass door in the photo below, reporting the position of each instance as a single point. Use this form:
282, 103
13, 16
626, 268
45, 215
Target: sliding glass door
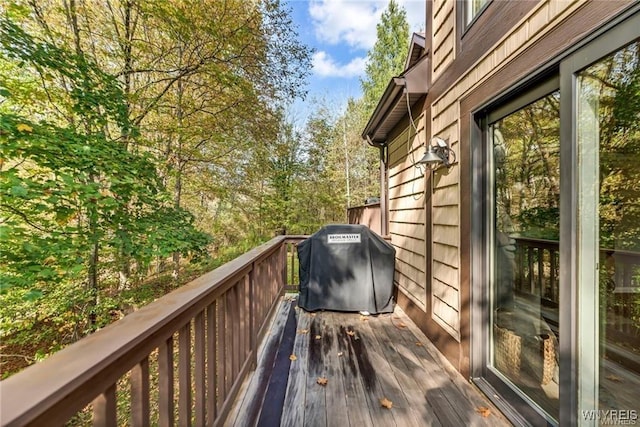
557, 240
608, 141
525, 233
525, 144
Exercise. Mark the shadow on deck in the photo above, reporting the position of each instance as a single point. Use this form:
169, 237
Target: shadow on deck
364, 360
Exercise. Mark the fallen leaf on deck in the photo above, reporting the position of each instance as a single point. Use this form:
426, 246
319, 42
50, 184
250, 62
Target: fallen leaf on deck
303, 331
351, 333
419, 344
402, 325
484, 411
313, 314
322, 381
386, 403
318, 337
293, 357
614, 378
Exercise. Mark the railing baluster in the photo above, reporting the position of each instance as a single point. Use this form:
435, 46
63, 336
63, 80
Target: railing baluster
165, 383
274, 264
235, 331
530, 270
139, 378
282, 261
104, 408
244, 318
253, 329
211, 364
240, 304
540, 253
552, 274
519, 260
258, 291
290, 250
222, 351
200, 375
184, 375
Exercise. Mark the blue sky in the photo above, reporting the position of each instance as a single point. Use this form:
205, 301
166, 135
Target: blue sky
341, 32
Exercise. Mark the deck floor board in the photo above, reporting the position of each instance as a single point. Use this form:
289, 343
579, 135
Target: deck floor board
366, 359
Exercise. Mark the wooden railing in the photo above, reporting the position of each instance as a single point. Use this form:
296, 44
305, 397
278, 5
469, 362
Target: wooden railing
538, 277
368, 215
537, 271
181, 357
538, 261
293, 279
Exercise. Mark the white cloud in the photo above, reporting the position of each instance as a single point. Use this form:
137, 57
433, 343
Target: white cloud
325, 66
354, 21
349, 21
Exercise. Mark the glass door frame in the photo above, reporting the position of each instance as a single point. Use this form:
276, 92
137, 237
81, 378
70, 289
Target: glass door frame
579, 240
579, 309
486, 377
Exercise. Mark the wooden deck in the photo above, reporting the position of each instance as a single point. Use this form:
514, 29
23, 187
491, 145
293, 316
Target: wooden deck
364, 360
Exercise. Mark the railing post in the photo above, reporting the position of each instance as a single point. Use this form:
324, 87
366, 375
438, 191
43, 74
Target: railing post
283, 267
253, 330
290, 254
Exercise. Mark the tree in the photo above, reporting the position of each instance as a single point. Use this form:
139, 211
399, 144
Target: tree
128, 128
68, 186
387, 56
201, 80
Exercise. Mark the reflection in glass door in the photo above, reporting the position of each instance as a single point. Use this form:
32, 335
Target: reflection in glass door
609, 137
524, 256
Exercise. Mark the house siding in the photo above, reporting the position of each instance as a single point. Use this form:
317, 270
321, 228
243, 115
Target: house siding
407, 217
445, 116
443, 35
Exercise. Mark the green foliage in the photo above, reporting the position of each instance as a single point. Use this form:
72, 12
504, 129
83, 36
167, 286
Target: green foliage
615, 81
103, 108
388, 55
540, 222
526, 149
69, 189
66, 188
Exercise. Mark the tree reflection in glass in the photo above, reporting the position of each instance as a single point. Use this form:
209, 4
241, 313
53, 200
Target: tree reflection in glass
525, 249
611, 90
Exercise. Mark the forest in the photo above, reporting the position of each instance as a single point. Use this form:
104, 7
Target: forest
146, 142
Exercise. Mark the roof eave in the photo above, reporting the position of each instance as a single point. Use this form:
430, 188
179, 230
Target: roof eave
388, 99
389, 111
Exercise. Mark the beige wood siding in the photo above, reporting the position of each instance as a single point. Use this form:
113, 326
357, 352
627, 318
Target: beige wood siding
445, 116
407, 212
443, 35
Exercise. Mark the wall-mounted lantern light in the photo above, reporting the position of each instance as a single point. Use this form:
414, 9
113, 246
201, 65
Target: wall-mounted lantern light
438, 153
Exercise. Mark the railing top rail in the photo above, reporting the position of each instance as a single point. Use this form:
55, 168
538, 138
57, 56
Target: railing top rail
529, 241
296, 238
84, 369
536, 240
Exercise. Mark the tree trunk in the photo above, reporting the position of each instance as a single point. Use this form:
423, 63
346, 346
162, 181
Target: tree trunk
124, 270
93, 285
177, 192
177, 196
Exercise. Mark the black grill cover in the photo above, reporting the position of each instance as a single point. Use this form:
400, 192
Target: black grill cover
346, 268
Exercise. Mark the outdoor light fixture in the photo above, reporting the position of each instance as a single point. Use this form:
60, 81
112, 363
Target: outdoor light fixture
438, 153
